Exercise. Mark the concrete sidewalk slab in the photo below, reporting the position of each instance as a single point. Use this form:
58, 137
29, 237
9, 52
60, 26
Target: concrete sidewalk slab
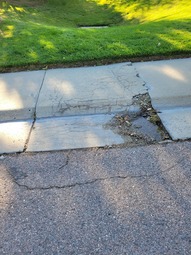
88, 90
71, 133
18, 94
13, 136
57, 94
177, 122
169, 82
169, 86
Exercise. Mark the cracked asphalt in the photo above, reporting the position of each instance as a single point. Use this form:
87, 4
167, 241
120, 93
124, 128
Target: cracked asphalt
119, 201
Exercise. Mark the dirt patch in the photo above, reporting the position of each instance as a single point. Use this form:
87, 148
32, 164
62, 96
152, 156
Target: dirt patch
139, 127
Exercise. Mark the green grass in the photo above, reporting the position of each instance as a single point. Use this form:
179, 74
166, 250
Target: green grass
47, 32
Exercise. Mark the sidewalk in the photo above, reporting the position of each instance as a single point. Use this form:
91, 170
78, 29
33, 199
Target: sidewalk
68, 108
169, 86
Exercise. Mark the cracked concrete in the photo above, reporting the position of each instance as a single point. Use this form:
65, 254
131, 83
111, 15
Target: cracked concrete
72, 132
169, 86
19, 97
34, 116
65, 92
18, 94
90, 90
37, 118
101, 201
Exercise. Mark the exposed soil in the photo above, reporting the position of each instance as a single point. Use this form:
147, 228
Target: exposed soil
140, 127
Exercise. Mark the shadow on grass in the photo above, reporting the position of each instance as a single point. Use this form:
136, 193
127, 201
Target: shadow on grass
140, 4
127, 7
35, 44
60, 13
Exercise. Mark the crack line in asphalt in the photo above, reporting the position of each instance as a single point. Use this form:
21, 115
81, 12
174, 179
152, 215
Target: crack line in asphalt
34, 116
93, 181
67, 161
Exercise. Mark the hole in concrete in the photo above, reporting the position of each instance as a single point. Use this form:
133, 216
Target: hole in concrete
140, 124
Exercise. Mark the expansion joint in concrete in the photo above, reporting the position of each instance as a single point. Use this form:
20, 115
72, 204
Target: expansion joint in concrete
29, 135
39, 93
34, 115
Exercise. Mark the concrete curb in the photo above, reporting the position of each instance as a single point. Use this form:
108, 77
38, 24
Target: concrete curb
63, 93
28, 97
169, 86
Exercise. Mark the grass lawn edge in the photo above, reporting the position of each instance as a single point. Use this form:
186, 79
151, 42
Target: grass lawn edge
96, 62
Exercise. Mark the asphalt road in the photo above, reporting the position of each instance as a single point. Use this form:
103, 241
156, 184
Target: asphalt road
119, 201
